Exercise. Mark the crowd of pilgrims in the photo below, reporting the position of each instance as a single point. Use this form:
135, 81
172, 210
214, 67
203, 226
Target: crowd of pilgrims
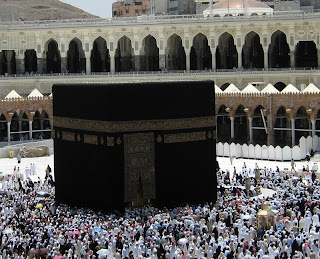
32, 226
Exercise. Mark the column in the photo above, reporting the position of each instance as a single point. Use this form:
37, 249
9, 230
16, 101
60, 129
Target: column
8, 130
293, 137
187, 60
30, 130
214, 62
64, 61
313, 126
270, 136
266, 58
20, 64
232, 127
292, 60
250, 130
239, 58
162, 61
20, 123
88, 64
137, 63
9, 55
112, 63
40, 67
41, 127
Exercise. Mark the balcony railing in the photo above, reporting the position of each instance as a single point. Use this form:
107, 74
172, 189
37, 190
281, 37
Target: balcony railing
149, 19
166, 73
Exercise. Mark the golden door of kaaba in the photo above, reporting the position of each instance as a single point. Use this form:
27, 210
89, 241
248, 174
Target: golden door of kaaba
139, 174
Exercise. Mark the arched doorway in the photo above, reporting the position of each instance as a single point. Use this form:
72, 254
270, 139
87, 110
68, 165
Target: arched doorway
279, 51
53, 59
306, 55
282, 128
226, 53
100, 58
223, 125
200, 53
175, 54
124, 57
252, 52
149, 54
302, 125
3, 128
259, 124
30, 61
8, 62
76, 62
241, 125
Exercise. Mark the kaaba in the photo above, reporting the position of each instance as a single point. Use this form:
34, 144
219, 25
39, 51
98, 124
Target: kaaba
128, 144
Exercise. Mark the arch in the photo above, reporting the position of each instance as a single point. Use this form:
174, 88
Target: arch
226, 53
280, 86
41, 128
252, 51
100, 57
3, 128
53, 57
279, 51
223, 125
306, 54
241, 125
30, 61
302, 123
76, 61
282, 125
124, 57
200, 53
259, 134
175, 53
149, 54
19, 127
7, 62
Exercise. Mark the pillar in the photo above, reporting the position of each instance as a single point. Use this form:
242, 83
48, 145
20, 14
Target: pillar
30, 130
9, 55
64, 61
239, 58
293, 137
40, 66
162, 62
88, 64
137, 63
19, 123
214, 62
8, 130
232, 127
270, 136
112, 62
188, 60
313, 126
250, 130
266, 58
292, 59
20, 65
41, 127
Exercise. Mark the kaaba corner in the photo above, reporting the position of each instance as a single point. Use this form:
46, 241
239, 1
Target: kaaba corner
127, 144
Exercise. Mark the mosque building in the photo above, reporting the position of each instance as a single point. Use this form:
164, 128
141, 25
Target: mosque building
265, 66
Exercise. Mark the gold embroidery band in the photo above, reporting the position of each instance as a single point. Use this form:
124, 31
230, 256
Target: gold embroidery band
184, 137
128, 126
90, 139
67, 136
